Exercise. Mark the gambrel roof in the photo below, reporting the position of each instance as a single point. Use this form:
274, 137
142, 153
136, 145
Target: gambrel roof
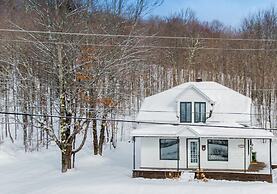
229, 105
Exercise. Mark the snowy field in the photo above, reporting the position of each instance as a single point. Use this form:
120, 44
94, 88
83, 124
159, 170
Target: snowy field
39, 173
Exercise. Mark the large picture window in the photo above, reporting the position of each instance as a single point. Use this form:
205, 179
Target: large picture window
169, 149
200, 112
185, 112
217, 150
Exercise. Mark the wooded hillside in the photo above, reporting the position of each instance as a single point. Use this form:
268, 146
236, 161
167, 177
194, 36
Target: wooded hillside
100, 59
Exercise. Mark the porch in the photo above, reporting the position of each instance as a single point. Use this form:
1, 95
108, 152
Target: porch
231, 159
255, 172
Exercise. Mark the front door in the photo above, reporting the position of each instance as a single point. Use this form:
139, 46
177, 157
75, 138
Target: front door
193, 153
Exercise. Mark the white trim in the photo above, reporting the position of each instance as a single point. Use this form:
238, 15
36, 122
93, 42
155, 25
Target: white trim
201, 131
196, 90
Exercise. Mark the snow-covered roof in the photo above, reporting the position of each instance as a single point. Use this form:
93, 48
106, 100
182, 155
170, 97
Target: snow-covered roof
231, 132
162, 131
229, 105
204, 131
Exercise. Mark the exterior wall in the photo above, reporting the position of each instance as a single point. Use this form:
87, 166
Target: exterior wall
150, 155
192, 96
261, 147
235, 156
137, 153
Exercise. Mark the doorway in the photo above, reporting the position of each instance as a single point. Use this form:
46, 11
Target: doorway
193, 153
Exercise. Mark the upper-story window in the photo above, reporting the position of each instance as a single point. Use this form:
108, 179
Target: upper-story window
200, 112
185, 112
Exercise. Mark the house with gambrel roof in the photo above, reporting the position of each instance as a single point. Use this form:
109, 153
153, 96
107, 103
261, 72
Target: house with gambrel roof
201, 127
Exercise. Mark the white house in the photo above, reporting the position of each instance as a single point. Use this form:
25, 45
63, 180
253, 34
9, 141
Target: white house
196, 125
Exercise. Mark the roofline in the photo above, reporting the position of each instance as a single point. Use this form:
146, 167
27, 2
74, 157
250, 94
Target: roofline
234, 137
191, 83
195, 125
191, 86
197, 135
212, 137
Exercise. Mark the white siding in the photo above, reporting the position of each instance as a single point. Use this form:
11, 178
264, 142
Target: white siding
261, 147
150, 155
235, 156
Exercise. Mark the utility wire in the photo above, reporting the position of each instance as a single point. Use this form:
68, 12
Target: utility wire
142, 46
147, 111
129, 121
4, 82
154, 111
133, 36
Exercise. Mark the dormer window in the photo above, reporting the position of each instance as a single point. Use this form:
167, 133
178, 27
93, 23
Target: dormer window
185, 112
200, 112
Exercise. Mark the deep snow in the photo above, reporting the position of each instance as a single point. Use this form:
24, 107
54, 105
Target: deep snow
39, 173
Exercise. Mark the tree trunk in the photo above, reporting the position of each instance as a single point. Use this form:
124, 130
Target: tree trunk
25, 128
65, 120
66, 157
102, 134
95, 137
66, 144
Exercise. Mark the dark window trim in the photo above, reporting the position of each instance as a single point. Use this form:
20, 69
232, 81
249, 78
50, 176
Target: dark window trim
178, 148
195, 112
248, 147
190, 121
227, 150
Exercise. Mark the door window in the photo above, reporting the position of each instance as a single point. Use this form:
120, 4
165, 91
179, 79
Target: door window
194, 152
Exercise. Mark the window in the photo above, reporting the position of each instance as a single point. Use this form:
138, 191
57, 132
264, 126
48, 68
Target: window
217, 150
169, 149
200, 112
185, 112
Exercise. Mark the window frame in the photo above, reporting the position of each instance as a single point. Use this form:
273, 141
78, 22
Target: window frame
214, 160
195, 112
186, 121
178, 148
248, 147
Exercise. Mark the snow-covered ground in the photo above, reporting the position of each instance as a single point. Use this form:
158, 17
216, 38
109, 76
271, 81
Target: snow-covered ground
39, 173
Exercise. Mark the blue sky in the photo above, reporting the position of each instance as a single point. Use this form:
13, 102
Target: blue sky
230, 12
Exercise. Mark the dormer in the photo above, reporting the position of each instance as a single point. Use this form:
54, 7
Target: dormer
193, 106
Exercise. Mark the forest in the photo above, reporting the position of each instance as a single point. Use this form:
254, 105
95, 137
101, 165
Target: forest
75, 67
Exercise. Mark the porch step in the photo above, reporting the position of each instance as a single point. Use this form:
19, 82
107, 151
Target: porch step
274, 166
256, 167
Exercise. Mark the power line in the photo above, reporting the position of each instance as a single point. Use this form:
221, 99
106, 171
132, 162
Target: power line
142, 46
134, 36
143, 111
217, 113
129, 121
4, 82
